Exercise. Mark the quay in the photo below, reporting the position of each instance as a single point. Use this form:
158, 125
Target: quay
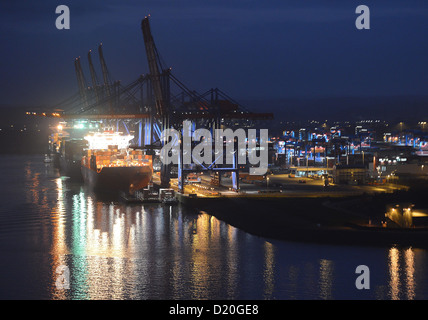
309, 212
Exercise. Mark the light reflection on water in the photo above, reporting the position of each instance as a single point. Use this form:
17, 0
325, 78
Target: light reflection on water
326, 278
121, 251
402, 274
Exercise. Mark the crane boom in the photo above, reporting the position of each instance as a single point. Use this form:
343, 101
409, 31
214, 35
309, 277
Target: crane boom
93, 77
81, 82
153, 66
106, 76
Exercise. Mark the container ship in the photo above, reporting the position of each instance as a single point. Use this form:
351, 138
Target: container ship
111, 165
66, 147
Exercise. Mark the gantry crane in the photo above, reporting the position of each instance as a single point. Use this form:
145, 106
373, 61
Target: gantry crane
151, 104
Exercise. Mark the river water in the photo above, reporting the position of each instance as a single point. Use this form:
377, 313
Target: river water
58, 240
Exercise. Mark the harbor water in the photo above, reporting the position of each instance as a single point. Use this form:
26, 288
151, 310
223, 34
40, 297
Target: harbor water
114, 250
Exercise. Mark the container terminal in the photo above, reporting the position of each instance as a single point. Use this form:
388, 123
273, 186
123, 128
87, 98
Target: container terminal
309, 167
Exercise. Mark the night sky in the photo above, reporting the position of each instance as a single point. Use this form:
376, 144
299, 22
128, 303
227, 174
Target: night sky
250, 49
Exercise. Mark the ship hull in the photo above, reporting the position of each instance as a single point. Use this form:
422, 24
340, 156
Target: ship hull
70, 157
128, 179
71, 168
